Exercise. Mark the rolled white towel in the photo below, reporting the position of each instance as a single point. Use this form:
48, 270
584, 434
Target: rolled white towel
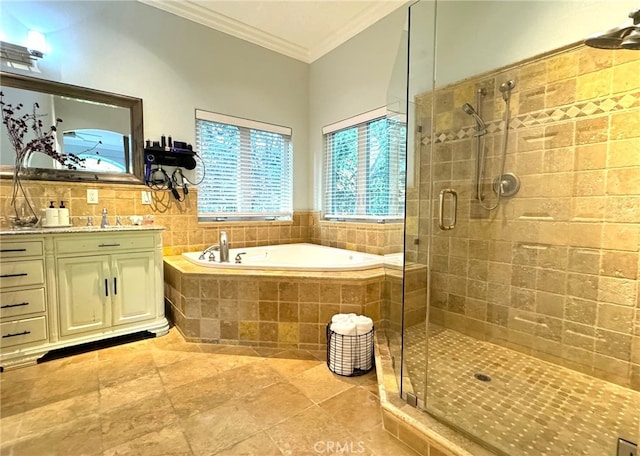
364, 344
343, 350
363, 324
343, 317
346, 328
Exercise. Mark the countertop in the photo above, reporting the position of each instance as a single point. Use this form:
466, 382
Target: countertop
81, 229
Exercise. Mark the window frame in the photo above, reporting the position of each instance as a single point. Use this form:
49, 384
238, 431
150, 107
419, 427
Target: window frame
361, 122
246, 127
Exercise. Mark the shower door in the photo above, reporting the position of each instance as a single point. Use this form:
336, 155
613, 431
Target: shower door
532, 339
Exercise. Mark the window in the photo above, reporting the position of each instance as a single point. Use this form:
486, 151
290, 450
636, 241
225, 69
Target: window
102, 150
248, 169
365, 167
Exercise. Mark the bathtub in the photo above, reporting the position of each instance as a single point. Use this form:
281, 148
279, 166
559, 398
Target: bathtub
293, 257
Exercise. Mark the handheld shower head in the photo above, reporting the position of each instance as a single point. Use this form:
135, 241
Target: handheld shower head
481, 127
506, 88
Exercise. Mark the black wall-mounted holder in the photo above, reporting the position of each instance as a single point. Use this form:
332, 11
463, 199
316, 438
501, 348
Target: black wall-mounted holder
184, 158
177, 154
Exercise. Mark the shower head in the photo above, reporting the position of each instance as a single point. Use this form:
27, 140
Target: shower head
506, 88
468, 109
481, 127
625, 36
632, 40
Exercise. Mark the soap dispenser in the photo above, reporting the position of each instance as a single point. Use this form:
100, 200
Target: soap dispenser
52, 215
63, 215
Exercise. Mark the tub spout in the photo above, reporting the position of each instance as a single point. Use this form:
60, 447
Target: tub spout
224, 247
210, 249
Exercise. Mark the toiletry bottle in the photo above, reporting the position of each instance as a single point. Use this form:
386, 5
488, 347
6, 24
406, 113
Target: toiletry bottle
52, 215
63, 214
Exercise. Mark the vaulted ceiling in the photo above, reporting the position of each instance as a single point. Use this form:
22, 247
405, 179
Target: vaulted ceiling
302, 29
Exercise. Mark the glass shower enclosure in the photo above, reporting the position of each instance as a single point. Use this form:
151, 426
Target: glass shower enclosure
521, 308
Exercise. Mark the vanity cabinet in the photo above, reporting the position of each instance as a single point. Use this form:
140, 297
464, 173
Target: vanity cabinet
23, 318
67, 288
99, 291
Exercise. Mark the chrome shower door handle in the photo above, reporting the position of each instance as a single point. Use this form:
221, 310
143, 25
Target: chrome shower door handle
452, 213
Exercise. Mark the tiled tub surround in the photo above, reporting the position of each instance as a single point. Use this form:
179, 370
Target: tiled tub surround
185, 234
377, 238
415, 289
267, 309
554, 271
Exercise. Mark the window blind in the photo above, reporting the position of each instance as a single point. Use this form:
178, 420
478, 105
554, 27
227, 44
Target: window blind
364, 168
248, 168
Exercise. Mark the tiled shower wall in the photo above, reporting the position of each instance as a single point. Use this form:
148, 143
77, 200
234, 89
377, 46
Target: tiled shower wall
184, 233
553, 272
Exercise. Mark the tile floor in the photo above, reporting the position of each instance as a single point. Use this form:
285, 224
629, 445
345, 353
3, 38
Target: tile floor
529, 407
165, 396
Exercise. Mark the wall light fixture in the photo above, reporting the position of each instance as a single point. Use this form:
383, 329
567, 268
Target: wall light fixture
24, 55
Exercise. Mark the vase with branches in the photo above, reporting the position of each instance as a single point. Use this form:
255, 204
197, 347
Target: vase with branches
28, 135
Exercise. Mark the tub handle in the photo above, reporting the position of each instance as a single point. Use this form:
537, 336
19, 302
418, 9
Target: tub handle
453, 211
239, 258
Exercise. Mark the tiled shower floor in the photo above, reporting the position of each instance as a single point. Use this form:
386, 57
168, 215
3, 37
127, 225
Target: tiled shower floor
529, 407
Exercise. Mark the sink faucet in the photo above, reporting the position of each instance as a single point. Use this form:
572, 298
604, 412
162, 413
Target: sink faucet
224, 247
105, 220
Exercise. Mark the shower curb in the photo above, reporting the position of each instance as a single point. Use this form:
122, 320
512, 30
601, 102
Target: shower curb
421, 432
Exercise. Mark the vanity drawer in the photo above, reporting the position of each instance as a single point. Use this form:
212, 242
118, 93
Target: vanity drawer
21, 302
21, 273
99, 244
25, 331
20, 249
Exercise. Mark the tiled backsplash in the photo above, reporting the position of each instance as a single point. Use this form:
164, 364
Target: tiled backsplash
185, 233
377, 238
554, 271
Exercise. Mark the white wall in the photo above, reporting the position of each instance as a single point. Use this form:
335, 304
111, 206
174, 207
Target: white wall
478, 36
173, 64
352, 79
177, 66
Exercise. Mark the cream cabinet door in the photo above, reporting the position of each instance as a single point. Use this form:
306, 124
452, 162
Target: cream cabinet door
134, 291
84, 294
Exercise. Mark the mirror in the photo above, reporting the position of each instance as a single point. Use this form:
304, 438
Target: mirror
103, 129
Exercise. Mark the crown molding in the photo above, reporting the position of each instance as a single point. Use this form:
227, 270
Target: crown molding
361, 22
233, 27
230, 26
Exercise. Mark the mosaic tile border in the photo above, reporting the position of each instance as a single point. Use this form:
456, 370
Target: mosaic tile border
548, 116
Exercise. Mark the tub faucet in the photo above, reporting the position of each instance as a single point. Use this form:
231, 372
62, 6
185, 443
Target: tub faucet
224, 247
209, 250
105, 220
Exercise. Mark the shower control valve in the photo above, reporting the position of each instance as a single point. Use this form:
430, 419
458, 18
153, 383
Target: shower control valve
212, 257
239, 258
